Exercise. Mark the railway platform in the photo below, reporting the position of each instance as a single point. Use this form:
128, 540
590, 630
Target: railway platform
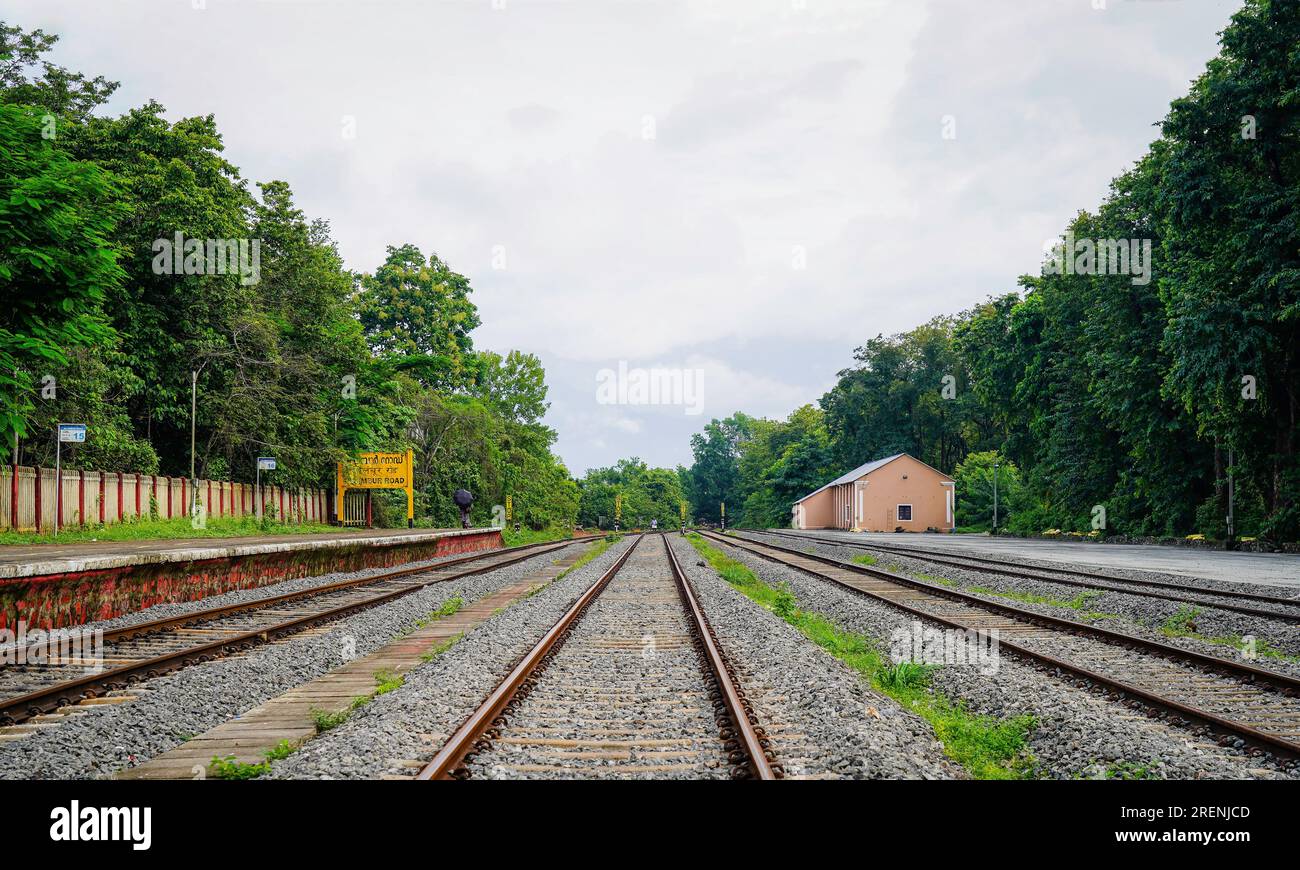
57, 585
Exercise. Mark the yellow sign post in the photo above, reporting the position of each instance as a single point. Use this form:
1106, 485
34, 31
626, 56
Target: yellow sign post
510, 508
683, 514
379, 471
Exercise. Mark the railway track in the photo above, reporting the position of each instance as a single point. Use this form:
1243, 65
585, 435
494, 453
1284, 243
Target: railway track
149, 649
629, 683
1238, 704
1150, 588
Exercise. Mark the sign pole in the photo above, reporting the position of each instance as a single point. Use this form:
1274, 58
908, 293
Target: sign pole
194, 404
58, 483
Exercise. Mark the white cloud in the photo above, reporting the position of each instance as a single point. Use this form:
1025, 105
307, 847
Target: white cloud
778, 129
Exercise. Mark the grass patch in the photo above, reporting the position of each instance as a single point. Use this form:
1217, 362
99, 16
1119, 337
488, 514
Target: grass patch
1079, 602
449, 608
228, 768
595, 550
988, 747
865, 559
1183, 624
385, 682
1130, 770
440, 648
175, 528
327, 721
281, 750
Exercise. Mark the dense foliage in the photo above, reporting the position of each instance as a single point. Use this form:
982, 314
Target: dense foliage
297, 357
647, 494
1099, 389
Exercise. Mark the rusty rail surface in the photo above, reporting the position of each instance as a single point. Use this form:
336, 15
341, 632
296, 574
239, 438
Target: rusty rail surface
474, 733
1248, 674
19, 708
1009, 568
755, 748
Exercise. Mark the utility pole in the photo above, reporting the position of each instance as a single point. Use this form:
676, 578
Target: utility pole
1232, 532
995, 498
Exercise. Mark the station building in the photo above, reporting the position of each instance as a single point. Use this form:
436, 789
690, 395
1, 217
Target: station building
896, 493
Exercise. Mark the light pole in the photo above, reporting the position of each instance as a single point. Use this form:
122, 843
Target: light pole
995, 498
1232, 532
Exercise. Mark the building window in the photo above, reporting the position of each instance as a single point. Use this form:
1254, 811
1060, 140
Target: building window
904, 513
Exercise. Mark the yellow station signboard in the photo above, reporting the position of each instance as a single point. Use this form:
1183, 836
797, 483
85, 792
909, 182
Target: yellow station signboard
378, 471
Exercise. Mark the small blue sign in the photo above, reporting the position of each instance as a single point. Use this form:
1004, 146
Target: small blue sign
72, 433
266, 463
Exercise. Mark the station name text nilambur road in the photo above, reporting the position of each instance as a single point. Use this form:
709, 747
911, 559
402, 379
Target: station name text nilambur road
379, 471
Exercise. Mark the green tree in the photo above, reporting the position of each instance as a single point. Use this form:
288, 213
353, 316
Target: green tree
57, 261
513, 385
27, 79
412, 307
715, 474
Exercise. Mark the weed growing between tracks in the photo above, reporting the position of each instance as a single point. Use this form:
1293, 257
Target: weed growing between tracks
385, 682
599, 547
1183, 624
441, 648
986, 746
228, 768
1079, 602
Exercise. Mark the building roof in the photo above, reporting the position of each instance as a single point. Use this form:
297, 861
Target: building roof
860, 471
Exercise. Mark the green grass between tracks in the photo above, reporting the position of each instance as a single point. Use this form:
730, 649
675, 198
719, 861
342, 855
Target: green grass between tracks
1183, 624
986, 746
592, 552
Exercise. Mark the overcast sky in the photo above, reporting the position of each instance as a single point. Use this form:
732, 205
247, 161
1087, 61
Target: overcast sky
748, 188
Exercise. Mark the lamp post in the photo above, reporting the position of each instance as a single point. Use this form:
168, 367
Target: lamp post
1232, 531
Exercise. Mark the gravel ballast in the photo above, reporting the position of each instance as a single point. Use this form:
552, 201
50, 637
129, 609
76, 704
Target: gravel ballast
832, 725
1132, 613
1078, 734
411, 723
177, 706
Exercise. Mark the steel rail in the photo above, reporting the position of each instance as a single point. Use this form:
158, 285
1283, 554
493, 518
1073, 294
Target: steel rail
1093, 575
473, 734
1279, 681
18, 708
1262, 740
469, 735
757, 754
